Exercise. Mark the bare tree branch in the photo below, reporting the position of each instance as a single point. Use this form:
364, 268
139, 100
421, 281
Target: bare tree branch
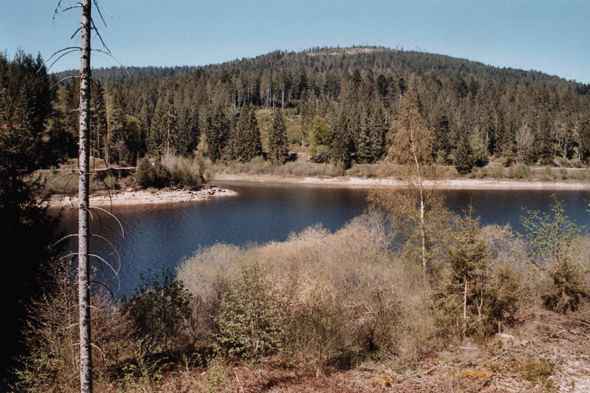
112, 246
63, 80
114, 58
55, 53
59, 58
113, 216
105, 287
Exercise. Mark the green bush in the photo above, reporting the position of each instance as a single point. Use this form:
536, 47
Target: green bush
158, 309
498, 172
146, 173
249, 323
548, 172
149, 175
521, 171
550, 240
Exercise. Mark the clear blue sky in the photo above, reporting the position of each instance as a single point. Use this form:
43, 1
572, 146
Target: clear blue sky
552, 36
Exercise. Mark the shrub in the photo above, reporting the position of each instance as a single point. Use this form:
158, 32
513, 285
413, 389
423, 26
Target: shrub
149, 175
52, 337
548, 172
249, 322
551, 247
340, 297
146, 173
568, 288
158, 310
497, 172
521, 171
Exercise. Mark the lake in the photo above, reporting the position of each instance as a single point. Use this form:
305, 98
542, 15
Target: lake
159, 236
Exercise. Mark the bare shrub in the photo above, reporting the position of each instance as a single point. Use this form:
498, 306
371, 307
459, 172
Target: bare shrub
52, 362
342, 296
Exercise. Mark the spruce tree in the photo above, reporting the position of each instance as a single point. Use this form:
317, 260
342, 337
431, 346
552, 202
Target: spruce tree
364, 154
253, 145
240, 136
377, 130
342, 144
277, 139
98, 124
464, 155
156, 139
217, 133
188, 133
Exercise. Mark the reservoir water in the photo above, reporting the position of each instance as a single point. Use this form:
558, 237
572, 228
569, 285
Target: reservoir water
160, 236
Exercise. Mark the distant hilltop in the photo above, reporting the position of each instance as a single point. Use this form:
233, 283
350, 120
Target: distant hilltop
377, 58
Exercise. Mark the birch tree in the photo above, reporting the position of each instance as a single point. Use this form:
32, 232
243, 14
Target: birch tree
416, 200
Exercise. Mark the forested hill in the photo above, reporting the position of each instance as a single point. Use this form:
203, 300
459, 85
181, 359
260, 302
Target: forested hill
345, 104
330, 59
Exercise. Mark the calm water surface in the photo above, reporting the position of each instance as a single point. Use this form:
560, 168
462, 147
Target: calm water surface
159, 236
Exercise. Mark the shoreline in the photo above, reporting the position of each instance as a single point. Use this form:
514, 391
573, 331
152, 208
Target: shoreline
450, 184
143, 197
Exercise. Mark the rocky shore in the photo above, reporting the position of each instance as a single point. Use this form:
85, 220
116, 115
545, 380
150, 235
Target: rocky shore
150, 196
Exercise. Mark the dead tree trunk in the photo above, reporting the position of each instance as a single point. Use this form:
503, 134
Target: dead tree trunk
83, 213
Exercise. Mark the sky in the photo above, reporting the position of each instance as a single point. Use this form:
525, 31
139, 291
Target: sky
551, 36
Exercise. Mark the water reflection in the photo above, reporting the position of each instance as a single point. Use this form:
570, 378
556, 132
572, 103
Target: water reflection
162, 235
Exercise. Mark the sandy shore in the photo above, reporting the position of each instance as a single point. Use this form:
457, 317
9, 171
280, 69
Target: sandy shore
467, 184
130, 197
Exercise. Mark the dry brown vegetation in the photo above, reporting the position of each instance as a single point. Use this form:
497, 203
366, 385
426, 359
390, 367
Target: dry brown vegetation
348, 311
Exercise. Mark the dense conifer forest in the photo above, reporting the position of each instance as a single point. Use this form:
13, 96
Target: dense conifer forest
504, 113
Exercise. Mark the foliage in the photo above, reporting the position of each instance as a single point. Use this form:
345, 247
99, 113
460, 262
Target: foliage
321, 134
152, 175
550, 241
477, 296
158, 310
464, 160
277, 139
52, 359
322, 305
417, 208
521, 171
27, 232
247, 143
249, 323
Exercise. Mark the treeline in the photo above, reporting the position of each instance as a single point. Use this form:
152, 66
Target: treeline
342, 105
502, 113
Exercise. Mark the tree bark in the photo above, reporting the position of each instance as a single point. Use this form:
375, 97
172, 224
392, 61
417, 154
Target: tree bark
83, 215
422, 202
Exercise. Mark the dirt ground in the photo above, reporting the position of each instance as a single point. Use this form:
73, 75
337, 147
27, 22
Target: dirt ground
542, 352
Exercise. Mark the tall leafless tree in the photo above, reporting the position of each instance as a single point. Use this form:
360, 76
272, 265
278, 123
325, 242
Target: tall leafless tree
83, 212
86, 28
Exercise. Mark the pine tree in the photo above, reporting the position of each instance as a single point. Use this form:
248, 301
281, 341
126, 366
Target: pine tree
217, 133
98, 124
377, 130
364, 154
253, 146
277, 140
464, 155
189, 133
342, 144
